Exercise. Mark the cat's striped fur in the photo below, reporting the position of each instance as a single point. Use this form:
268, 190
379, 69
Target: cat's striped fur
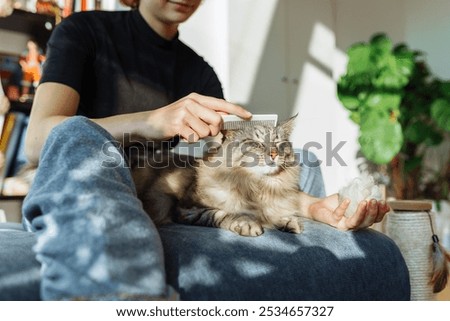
247, 183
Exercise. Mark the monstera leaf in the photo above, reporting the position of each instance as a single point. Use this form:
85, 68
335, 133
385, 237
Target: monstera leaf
419, 132
391, 76
394, 66
384, 101
376, 75
445, 89
381, 45
360, 60
380, 138
440, 112
405, 59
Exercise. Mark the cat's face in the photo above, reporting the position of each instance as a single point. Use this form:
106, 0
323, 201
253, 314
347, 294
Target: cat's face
261, 150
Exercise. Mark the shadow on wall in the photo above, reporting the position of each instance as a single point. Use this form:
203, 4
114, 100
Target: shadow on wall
299, 36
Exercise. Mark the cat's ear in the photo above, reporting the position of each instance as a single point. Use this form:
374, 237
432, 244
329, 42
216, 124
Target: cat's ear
286, 127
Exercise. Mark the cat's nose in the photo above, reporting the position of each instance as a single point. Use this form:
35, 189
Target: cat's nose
273, 154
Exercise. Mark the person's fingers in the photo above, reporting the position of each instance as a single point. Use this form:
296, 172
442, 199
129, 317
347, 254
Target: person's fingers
367, 214
200, 127
193, 121
371, 213
220, 105
206, 111
340, 210
383, 209
211, 118
358, 217
188, 134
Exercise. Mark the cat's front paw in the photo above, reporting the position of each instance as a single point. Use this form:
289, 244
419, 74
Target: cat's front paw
246, 226
291, 224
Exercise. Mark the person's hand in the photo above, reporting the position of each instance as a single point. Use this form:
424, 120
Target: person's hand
329, 211
192, 117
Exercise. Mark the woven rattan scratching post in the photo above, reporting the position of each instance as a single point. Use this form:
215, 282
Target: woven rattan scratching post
410, 226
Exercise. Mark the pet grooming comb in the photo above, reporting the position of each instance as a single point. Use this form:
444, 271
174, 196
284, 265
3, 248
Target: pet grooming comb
230, 122
233, 122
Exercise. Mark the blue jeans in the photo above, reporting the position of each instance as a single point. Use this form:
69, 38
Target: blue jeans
93, 240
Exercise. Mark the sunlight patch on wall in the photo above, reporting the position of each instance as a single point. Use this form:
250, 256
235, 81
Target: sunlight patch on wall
320, 111
250, 23
322, 45
340, 60
231, 35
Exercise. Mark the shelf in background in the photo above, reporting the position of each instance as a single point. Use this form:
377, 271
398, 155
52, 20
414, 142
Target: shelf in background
23, 107
37, 26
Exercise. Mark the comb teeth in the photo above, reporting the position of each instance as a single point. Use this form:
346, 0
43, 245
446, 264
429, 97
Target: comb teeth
242, 124
232, 122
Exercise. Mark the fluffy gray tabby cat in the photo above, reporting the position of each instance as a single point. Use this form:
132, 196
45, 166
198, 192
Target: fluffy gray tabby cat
248, 181
245, 184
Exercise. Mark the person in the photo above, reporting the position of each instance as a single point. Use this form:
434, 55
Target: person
110, 75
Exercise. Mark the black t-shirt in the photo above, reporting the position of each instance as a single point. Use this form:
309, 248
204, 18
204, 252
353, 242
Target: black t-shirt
118, 64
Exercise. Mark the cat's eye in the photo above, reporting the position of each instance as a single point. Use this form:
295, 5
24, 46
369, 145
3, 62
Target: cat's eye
253, 143
252, 146
284, 148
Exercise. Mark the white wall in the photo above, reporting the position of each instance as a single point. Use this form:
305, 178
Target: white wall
358, 20
423, 25
427, 28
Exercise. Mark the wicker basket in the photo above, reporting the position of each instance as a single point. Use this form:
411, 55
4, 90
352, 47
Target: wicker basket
410, 226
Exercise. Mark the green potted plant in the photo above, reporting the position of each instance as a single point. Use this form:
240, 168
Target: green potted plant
402, 110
